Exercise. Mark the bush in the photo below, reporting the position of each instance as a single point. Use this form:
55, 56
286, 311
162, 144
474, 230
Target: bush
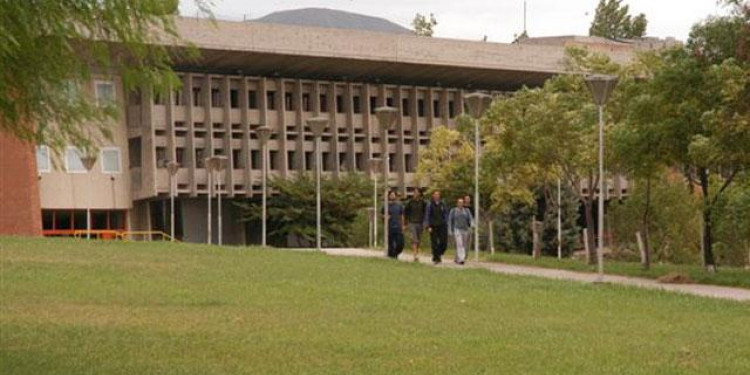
674, 220
732, 225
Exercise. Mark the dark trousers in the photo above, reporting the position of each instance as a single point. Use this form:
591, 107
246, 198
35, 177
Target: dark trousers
439, 241
395, 242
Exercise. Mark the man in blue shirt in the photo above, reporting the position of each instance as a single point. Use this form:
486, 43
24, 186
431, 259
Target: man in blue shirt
395, 226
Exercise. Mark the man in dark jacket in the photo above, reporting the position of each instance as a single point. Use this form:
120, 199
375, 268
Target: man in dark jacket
436, 222
415, 210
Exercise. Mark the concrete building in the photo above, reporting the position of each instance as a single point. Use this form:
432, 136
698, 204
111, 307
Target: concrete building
251, 74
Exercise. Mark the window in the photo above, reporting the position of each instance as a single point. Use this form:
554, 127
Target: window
177, 98
357, 106
288, 101
323, 103
339, 104
216, 101
197, 97
110, 157
234, 98
179, 155
104, 92
420, 107
134, 152
273, 159
451, 109
435, 108
271, 100
73, 163
405, 108
237, 159
373, 104
43, 164
200, 155
306, 105
252, 99
255, 159
291, 160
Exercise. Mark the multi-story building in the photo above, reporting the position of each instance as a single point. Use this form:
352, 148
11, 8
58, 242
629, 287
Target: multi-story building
251, 74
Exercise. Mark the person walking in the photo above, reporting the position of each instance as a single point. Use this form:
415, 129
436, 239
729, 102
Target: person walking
436, 222
469, 238
395, 226
414, 212
460, 221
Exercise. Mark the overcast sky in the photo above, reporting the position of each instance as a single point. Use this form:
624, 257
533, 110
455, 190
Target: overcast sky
499, 20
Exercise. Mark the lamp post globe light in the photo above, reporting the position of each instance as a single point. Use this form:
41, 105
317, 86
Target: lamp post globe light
264, 133
172, 168
601, 87
88, 162
478, 103
220, 164
386, 118
318, 125
374, 165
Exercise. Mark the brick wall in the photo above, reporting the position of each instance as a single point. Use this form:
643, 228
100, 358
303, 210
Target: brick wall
20, 212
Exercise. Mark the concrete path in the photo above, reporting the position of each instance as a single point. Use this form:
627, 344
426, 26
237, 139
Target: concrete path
737, 294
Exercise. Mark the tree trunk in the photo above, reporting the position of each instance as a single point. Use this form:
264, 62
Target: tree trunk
645, 225
708, 253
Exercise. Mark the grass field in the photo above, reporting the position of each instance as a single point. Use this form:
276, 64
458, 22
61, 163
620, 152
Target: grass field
727, 276
77, 307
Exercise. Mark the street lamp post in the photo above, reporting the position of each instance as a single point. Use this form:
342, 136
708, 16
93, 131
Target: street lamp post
601, 87
264, 133
478, 103
559, 219
318, 125
386, 117
88, 162
209, 164
220, 164
375, 164
172, 168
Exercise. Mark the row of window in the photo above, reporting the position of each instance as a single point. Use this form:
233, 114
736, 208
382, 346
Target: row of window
109, 160
306, 102
255, 159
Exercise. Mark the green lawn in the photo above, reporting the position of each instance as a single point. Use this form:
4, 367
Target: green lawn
726, 276
77, 307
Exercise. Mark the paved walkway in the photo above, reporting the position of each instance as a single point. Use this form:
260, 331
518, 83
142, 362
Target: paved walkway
737, 294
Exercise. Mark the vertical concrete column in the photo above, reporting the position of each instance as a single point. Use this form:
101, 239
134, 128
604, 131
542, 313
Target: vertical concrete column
384, 144
400, 159
190, 139
281, 126
228, 178
366, 125
460, 102
246, 154
428, 111
299, 144
414, 124
349, 98
263, 105
170, 108
333, 129
208, 122
148, 144
444, 115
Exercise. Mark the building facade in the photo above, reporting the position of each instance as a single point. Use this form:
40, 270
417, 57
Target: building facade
254, 74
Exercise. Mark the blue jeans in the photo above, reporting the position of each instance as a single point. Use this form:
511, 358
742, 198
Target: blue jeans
395, 242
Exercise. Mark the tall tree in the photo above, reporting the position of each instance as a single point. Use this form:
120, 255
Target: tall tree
424, 26
49, 48
550, 132
613, 20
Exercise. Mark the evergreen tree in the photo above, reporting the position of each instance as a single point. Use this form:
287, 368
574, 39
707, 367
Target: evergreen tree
613, 21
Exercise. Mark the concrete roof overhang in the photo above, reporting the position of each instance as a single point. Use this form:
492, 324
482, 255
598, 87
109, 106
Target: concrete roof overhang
261, 49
